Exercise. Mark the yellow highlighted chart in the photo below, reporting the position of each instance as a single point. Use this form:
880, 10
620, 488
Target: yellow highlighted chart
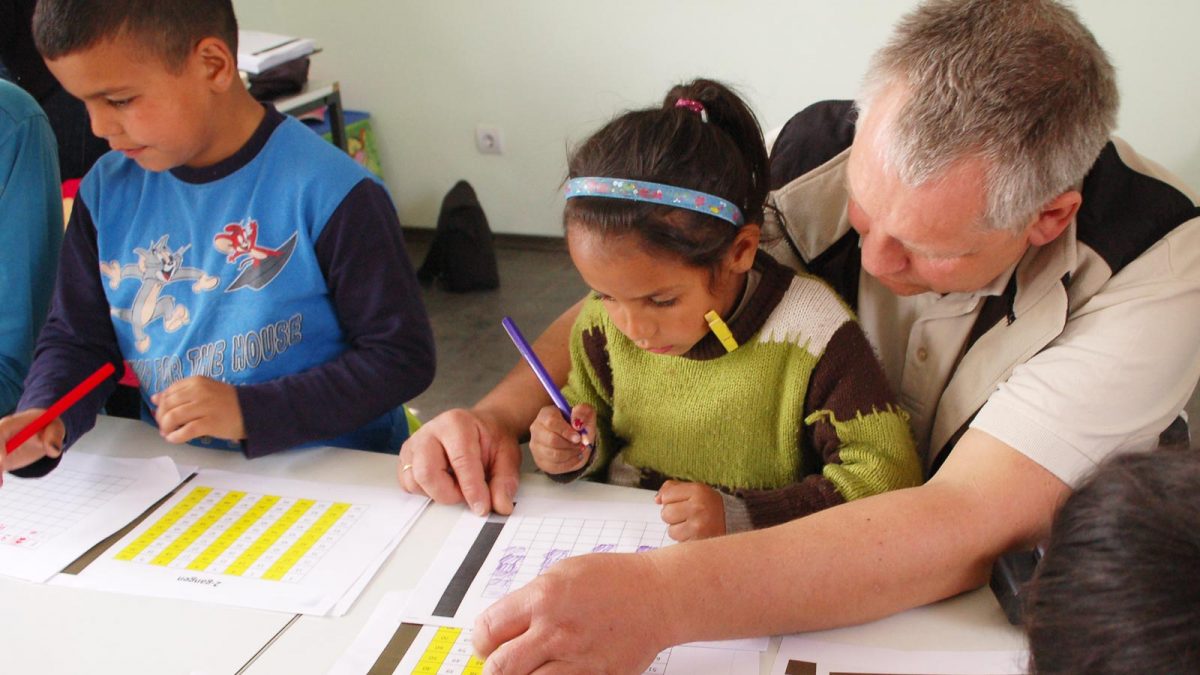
447, 654
235, 533
259, 541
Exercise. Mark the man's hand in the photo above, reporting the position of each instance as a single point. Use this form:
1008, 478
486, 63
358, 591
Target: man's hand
693, 510
575, 618
199, 406
46, 443
462, 455
557, 446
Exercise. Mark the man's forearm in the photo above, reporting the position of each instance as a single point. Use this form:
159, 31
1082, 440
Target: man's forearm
859, 561
515, 401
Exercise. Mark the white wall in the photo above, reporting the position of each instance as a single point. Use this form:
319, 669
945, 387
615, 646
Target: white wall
547, 72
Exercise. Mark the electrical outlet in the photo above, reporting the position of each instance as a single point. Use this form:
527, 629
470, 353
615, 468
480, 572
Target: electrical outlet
489, 140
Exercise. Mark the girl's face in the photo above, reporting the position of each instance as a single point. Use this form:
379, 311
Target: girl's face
656, 300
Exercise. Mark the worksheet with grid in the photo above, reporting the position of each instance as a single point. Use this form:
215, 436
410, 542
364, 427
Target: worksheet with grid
484, 559
386, 644
46, 523
257, 541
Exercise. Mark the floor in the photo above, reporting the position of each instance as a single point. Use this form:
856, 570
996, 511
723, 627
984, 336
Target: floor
537, 282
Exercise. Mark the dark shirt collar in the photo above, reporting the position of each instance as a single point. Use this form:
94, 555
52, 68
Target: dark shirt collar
272, 119
752, 312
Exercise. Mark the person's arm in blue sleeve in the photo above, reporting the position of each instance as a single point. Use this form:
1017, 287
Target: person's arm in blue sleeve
77, 339
30, 235
391, 356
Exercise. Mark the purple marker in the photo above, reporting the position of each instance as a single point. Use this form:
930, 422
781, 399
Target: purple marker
538, 369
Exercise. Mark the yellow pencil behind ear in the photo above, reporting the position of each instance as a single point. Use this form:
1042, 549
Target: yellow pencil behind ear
721, 330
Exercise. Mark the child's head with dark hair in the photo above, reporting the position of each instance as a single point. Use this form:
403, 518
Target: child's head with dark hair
159, 77
663, 212
170, 29
1118, 590
711, 143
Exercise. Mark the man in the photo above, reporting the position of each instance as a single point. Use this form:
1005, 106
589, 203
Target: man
1033, 289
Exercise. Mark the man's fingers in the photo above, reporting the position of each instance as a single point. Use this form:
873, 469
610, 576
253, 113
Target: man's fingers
432, 475
504, 620
466, 460
405, 475
505, 471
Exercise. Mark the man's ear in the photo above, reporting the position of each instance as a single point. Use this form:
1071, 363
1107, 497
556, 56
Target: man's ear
745, 245
218, 63
1054, 217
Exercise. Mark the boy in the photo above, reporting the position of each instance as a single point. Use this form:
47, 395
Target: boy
1117, 590
253, 275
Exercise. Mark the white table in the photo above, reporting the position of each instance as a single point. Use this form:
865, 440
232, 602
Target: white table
51, 629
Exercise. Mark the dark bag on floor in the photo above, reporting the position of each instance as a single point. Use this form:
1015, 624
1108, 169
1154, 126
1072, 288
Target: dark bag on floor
462, 254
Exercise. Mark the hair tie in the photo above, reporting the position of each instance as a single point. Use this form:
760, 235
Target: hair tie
693, 105
655, 193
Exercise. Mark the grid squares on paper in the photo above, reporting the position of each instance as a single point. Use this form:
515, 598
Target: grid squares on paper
35, 510
538, 543
240, 534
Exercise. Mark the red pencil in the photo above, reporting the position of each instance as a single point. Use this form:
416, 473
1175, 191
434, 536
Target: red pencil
60, 406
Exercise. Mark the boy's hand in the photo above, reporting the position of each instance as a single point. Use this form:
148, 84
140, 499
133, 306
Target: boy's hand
46, 443
693, 510
558, 447
199, 406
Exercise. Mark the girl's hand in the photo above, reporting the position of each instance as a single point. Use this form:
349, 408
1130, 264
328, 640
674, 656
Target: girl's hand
558, 447
46, 443
693, 510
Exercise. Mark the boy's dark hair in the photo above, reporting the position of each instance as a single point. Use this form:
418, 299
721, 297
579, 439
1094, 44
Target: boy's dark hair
724, 156
1118, 590
169, 28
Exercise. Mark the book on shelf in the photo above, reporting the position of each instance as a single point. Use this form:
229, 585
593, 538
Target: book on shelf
259, 51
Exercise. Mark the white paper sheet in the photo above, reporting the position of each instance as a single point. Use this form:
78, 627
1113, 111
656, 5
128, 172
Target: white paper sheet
800, 655
46, 523
447, 651
258, 541
539, 533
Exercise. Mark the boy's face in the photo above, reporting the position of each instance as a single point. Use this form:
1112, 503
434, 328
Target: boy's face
657, 302
158, 118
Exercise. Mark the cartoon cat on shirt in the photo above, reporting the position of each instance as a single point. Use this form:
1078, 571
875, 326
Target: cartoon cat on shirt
156, 267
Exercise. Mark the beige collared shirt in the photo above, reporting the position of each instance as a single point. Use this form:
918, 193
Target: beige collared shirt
919, 339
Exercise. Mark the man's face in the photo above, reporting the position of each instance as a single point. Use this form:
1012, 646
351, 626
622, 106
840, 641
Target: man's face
158, 118
927, 238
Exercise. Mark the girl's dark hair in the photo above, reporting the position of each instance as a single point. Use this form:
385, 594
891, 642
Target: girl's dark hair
724, 156
168, 28
1118, 590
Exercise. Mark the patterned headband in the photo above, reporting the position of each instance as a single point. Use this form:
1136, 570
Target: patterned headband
655, 193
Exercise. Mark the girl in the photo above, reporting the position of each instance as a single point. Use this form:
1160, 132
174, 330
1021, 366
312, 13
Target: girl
746, 394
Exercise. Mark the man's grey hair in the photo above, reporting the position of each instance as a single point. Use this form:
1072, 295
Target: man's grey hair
1021, 84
